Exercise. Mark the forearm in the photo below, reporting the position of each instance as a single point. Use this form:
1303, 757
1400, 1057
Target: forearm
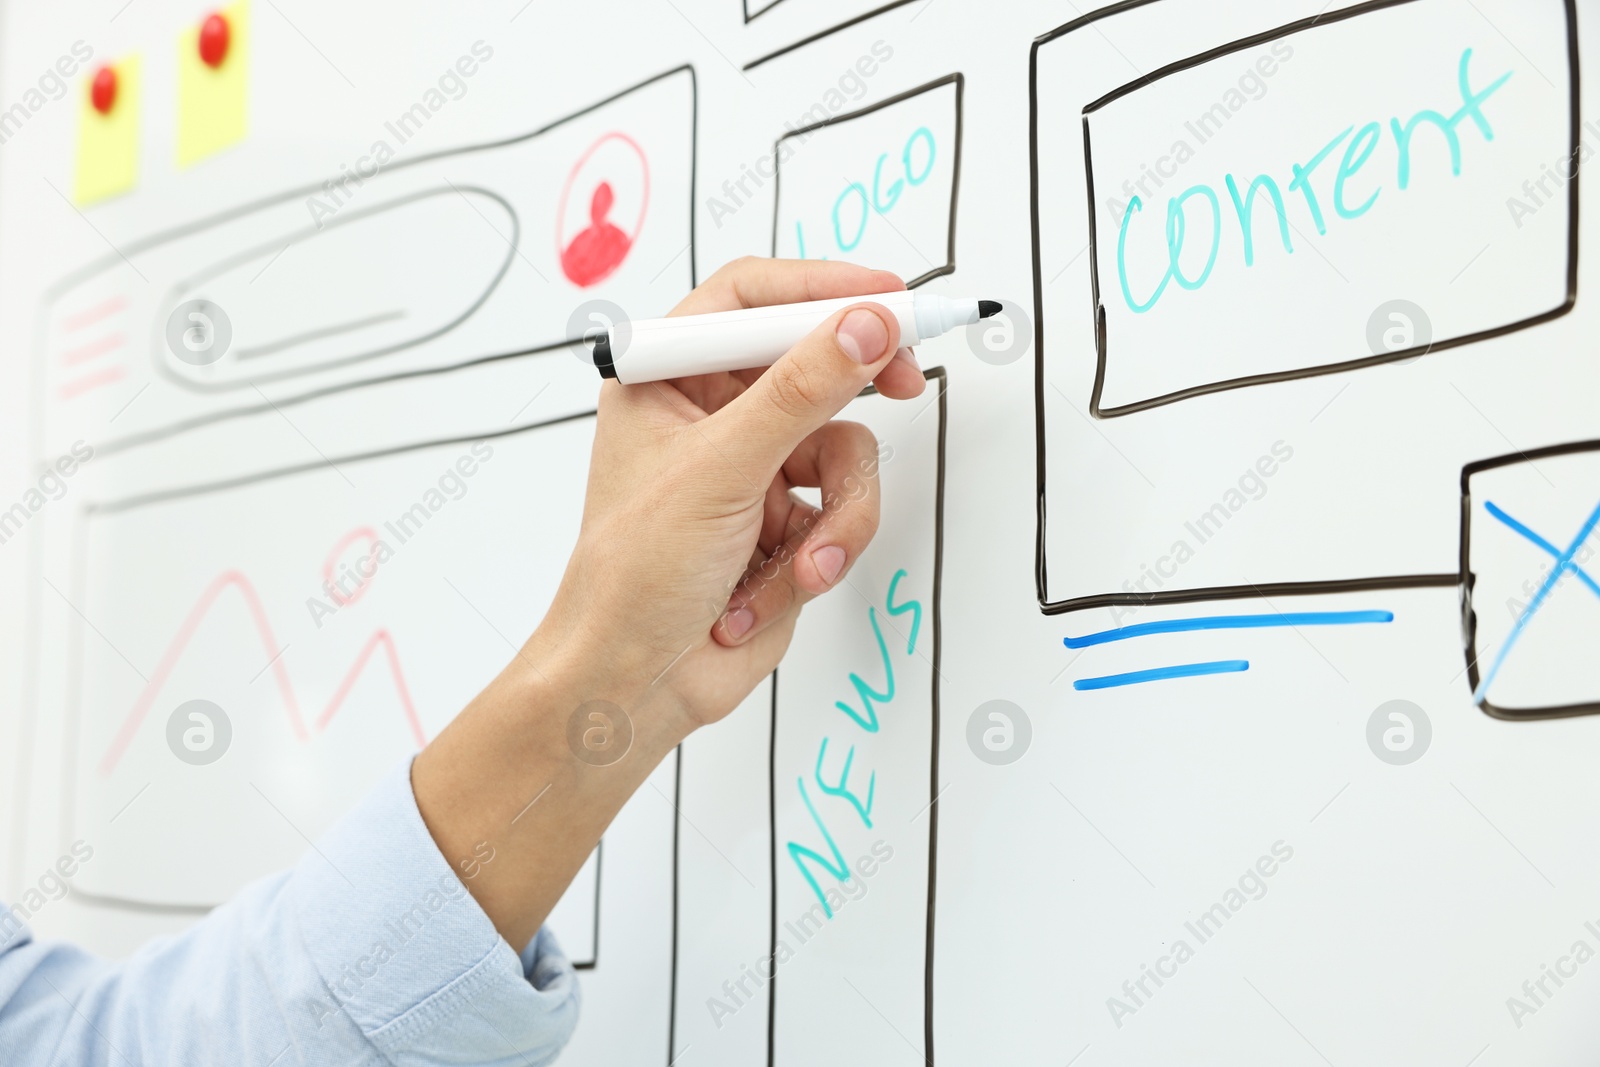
516, 793
693, 562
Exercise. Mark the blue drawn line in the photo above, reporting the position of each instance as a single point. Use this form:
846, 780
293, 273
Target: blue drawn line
1158, 674
1231, 622
1499, 513
1563, 564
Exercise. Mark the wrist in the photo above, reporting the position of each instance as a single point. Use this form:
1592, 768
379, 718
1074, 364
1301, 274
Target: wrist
606, 700
532, 772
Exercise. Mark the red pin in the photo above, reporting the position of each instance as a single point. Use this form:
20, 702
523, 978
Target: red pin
103, 90
213, 40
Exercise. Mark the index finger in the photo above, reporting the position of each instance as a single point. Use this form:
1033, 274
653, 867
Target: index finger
756, 282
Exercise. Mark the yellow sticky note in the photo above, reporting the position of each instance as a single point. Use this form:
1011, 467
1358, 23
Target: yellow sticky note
211, 100
108, 145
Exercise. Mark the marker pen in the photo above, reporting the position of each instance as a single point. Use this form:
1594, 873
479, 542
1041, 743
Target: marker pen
652, 350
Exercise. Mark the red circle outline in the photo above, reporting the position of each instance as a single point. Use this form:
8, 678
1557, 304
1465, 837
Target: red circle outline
572, 176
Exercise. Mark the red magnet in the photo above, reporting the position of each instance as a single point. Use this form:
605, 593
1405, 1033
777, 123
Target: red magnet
213, 40
103, 90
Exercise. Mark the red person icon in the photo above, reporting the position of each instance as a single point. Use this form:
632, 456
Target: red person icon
599, 249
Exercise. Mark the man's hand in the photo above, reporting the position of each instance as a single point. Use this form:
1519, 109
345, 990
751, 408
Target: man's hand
694, 552
692, 564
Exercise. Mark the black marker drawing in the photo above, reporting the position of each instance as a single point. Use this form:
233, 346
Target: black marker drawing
829, 32
264, 371
1102, 343
1310, 587
1469, 581
960, 82
74, 757
759, 11
938, 378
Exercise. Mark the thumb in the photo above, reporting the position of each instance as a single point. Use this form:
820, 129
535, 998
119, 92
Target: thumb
811, 384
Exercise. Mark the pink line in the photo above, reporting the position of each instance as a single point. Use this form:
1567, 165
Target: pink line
333, 558
78, 386
111, 343
180, 643
191, 624
383, 639
90, 316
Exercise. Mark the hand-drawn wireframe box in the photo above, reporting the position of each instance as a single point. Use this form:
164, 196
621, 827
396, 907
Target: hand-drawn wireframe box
1250, 336
406, 264
800, 24
305, 606
875, 186
758, 956
1274, 311
1530, 536
426, 551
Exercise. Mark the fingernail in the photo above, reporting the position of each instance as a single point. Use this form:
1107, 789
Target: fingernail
863, 336
739, 622
829, 561
910, 356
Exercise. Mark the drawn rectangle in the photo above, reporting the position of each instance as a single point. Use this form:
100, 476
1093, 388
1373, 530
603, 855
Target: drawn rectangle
756, 8
1284, 317
759, 955
274, 565
465, 256
576, 916
854, 775
878, 185
1520, 514
799, 16
723, 878
1099, 448
357, 677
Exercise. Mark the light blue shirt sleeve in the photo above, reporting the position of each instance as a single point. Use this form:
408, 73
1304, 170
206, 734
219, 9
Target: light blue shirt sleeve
371, 951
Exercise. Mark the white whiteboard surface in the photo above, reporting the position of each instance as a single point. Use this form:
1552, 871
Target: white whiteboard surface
1244, 865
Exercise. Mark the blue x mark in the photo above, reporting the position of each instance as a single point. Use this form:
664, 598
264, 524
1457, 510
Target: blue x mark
1564, 565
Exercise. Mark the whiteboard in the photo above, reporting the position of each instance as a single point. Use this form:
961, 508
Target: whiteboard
1218, 688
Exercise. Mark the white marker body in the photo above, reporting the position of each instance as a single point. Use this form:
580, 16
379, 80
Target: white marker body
653, 350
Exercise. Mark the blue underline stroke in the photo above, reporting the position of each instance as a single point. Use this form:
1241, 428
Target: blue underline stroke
1159, 674
1231, 622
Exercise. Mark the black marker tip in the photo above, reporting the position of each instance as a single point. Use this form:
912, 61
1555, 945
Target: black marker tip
988, 309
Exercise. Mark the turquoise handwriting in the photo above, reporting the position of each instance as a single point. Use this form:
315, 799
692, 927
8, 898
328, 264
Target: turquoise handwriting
1358, 148
854, 207
810, 861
